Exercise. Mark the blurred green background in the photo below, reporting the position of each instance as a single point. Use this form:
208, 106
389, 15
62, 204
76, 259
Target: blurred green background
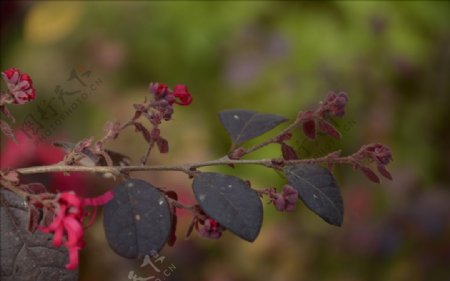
392, 58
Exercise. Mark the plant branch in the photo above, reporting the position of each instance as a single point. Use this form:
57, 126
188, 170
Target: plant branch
14, 189
187, 168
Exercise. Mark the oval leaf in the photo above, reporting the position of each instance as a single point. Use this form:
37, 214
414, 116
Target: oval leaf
230, 201
309, 129
243, 125
370, 174
288, 152
384, 172
138, 220
24, 255
318, 190
327, 128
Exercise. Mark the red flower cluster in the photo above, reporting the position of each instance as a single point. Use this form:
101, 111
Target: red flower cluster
286, 200
67, 225
180, 94
20, 86
160, 90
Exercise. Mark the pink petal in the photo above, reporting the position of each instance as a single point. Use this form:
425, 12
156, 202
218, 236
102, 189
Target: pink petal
73, 258
74, 231
93, 215
57, 237
99, 200
71, 198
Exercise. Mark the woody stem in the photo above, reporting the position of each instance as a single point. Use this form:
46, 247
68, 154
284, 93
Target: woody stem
187, 168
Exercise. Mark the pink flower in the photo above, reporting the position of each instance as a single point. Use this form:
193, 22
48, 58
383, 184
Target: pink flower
286, 200
20, 86
182, 93
67, 225
159, 89
211, 229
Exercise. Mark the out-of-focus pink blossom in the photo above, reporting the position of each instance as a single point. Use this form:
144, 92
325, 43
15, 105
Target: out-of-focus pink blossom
26, 153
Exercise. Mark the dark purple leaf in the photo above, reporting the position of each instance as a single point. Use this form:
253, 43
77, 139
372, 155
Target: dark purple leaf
231, 202
35, 188
48, 216
163, 145
370, 174
243, 125
288, 152
140, 128
384, 172
138, 220
27, 256
327, 128
309, 128
33, 219
317, 188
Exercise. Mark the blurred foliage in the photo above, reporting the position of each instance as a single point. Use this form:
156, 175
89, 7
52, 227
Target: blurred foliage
392, 58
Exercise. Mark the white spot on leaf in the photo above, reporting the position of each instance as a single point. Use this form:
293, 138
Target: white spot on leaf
137, 217
236, 117
202, 197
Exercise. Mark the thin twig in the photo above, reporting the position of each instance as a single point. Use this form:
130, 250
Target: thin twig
274, 139
147, 152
